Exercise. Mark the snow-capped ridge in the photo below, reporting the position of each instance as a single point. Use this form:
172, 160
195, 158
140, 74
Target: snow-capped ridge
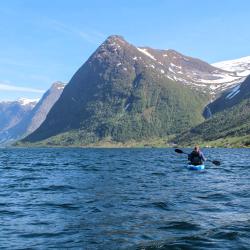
26, 101
239, 66
167, 63
190, 71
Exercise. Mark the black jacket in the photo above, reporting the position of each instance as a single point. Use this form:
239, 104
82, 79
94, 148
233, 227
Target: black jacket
196, 158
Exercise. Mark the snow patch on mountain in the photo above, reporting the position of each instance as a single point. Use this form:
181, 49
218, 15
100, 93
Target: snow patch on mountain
193, 72
190, 71
221, 78
26, 101
234, 92
240, 66
171, 70
144, 51
60, 87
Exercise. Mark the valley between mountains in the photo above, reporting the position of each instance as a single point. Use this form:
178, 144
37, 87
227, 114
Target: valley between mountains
125, 95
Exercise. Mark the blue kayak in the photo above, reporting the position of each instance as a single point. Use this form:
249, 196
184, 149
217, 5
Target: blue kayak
197, 167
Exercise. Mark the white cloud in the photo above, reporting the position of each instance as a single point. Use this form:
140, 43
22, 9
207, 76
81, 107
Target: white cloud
91, 36
7, 87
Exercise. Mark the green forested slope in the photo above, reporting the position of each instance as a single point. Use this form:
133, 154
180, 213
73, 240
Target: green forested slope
154, 108
230, 127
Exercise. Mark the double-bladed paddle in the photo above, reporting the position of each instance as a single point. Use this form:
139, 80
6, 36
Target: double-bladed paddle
179, 151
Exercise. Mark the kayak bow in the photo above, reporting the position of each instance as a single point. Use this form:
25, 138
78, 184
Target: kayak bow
198, 167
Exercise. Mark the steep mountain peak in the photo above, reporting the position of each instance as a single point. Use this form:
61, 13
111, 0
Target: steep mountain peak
118, 55
115, 38
114, 41
58, 85
110, 50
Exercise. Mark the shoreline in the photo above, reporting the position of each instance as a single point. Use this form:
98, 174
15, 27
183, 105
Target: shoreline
123, 146
164, 142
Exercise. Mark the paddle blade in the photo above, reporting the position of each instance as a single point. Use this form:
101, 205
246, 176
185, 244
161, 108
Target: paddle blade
217, 163
179, 151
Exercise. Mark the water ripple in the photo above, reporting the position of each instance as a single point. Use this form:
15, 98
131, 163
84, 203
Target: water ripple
122, 199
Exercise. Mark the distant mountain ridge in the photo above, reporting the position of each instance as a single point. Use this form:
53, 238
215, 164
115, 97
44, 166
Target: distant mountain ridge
35, 115
13, 111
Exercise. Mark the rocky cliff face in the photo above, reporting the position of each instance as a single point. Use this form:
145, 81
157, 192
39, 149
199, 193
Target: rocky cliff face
40, 111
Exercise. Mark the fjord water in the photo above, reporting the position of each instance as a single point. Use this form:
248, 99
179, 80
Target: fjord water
123, 199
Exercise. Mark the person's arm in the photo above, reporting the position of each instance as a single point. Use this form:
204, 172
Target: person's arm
202, 157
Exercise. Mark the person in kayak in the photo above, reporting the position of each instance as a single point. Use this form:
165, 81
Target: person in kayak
196, 157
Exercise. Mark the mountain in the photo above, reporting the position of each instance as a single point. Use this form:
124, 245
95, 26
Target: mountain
127, 93
230, 123
40, 111
35, 116
123, 92
11, 112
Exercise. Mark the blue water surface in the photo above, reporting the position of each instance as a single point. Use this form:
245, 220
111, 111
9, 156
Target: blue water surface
123, 199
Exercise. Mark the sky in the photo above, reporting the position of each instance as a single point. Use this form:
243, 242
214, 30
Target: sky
44, 41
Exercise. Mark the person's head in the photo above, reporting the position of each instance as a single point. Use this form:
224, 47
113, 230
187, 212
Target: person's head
197, 148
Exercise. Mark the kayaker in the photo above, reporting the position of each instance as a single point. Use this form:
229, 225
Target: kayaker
196, 157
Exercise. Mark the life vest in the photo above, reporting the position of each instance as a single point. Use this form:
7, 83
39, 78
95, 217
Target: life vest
195, 158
